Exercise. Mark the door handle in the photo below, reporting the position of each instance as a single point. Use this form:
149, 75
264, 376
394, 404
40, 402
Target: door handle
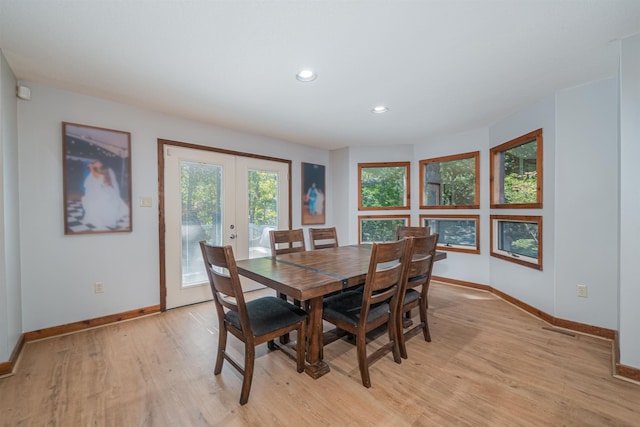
233, 236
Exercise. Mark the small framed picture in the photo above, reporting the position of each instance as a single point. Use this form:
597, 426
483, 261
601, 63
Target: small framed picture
97, 179
313, 194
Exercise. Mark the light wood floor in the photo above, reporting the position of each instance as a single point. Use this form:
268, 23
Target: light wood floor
489, 364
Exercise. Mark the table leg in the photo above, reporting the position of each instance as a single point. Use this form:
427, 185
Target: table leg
285, 338
316, 367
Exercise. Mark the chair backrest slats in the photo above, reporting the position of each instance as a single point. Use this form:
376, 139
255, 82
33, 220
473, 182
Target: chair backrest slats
387, 268
225, 282
386, 277
323, 238
286, 241
421, 264
223, 285
406, 231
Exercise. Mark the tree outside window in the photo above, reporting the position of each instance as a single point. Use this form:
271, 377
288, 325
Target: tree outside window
380, 228
263, 202
517, 239
456, 233
450, 182
516, 172
383, 185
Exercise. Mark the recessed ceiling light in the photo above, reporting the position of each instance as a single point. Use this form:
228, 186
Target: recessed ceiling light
306, 76
379, 109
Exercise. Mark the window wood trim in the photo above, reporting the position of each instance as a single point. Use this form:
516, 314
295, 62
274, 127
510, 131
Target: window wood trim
441, 245
423, 163
407, 199
493, 171
524, 218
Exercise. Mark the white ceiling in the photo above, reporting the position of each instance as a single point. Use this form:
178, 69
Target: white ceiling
441, 66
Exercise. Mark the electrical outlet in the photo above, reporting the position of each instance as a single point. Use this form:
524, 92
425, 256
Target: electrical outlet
98, 287
581, 291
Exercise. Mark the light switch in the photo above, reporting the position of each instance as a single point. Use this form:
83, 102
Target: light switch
146, 202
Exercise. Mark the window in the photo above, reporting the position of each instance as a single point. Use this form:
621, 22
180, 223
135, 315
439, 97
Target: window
450, 182
516, 172
517, 239
379, 228
456, 233
383, 186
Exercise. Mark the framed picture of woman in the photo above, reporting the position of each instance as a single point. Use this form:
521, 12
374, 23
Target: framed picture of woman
313, 194
97, 179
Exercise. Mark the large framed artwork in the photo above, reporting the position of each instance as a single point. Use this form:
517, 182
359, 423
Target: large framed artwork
313, 194
97, 179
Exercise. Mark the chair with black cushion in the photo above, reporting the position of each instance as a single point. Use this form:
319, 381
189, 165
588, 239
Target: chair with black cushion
254, 322
423, 254
406, 231
286, 241
360, 312
322, 238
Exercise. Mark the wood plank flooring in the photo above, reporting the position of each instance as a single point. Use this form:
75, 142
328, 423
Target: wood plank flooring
489, 364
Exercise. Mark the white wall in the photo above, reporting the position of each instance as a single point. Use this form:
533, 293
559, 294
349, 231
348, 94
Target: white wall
460, 266
58, 271
10, 297
587, 203
531, 286
339, 196
630, 202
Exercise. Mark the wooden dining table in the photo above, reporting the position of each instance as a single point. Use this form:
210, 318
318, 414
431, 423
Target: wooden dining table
309, 276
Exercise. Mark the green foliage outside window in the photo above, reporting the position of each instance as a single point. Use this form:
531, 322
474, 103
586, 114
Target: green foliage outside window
201, 191
457, 179
202, 196
519, 237
527, 247
520, 176
520, 188
263, 198
379, 230
458, 182
383, 186
454, 231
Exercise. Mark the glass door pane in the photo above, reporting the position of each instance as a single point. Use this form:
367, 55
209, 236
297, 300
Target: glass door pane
201, 189
266, 207
263, 210
199, 202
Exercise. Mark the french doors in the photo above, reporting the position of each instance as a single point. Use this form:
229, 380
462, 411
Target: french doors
225, 199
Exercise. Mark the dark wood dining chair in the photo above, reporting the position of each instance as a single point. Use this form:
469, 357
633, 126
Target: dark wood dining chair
254, 322
286, 241
322, 238
360, 312
406, 231
418, 274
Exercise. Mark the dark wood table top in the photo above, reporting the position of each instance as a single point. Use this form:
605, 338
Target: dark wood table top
310, 274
